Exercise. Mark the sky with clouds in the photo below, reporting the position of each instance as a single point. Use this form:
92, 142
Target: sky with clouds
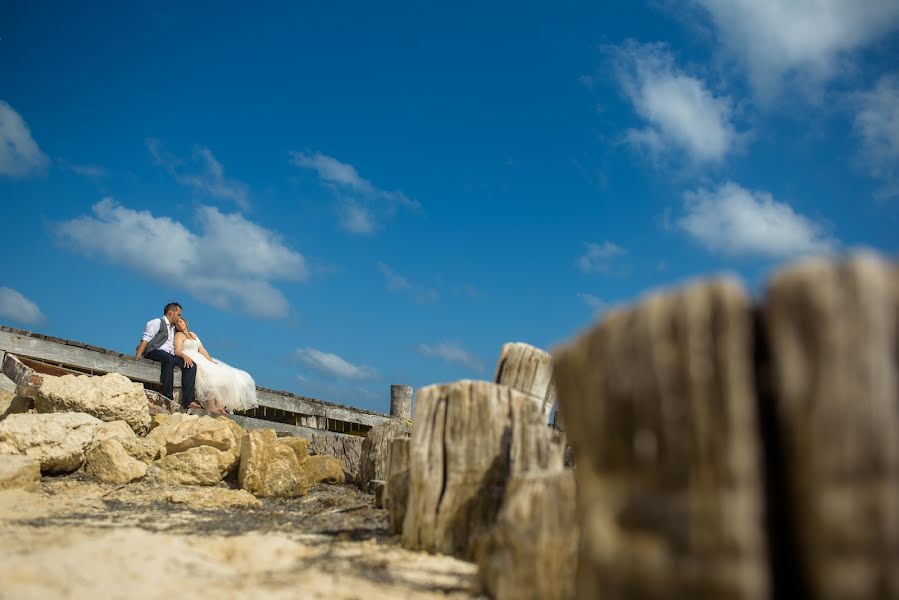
352, 195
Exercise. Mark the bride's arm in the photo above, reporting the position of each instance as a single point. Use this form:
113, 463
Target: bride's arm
204, 353
179, 342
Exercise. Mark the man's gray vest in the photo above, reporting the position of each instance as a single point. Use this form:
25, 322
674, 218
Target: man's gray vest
160, 338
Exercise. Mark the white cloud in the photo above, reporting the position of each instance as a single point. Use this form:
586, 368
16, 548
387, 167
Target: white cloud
19, 153
17, 308
683, 116
209, 180
399, 284
737, 221
332, 365
877, 122
598, 257
594, 303
355, 218
807, 40
452, 352
86, 170
230, 263
363, 206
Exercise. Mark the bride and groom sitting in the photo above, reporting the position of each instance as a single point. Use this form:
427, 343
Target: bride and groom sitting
205, 382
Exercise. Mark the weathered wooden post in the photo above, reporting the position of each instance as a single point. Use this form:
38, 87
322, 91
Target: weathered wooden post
469, 438
373, 460
396, 490
531, 552
833, 339
660, 406
401, 401
528, 369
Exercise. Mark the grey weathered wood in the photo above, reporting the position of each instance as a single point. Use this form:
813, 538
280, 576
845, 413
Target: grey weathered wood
396, 491
294, 430
346, 448
401, 401
660, 407
142, 370
531, 552
833, 338
317, 408
373, 462
527, 369
469, 438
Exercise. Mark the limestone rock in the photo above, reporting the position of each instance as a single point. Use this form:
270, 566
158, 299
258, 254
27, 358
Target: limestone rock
531, 552
108, 462
180, 432
11, 404
530, 370
373, 459
214, 498
299, 445
200, 465
112, 397
270, 468
832, 330
190, 432
660, 406
345, 448
324, 469
20, 472
141, 449
59, 441
466, 443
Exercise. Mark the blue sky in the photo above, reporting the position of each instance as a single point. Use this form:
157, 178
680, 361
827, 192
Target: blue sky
348, 196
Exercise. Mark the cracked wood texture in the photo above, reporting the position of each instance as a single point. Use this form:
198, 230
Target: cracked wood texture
528, 369
396, 488
833, 334
373, 460
659, 404
532, 550
469, 438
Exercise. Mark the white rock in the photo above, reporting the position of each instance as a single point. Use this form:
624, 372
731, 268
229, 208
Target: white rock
20, 472
202, 465
112, 397
108, 462
59, 441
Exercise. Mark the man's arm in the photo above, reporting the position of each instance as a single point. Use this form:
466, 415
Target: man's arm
140, 349
151, 329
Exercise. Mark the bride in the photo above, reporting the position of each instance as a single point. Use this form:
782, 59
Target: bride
220, 388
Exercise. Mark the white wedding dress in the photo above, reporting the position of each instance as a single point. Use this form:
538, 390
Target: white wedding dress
234, 388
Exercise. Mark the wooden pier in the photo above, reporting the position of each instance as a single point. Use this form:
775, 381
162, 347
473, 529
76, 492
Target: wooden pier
295, 414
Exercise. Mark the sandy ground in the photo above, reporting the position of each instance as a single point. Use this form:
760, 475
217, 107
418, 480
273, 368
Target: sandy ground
79, 539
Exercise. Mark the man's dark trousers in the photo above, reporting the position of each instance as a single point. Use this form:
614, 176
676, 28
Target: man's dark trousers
188, 375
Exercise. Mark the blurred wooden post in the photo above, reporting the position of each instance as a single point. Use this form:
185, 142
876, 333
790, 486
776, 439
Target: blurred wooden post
832, 333
659, 402
401, 401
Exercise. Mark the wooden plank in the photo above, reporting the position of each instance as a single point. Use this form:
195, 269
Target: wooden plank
142, 370
317, 408
47, 369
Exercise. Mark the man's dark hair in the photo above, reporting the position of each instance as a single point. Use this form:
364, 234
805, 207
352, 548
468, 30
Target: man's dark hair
170, 306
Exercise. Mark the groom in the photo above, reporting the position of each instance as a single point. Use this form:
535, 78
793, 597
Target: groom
158, 343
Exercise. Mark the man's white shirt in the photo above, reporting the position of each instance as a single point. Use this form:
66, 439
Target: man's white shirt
152, 329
